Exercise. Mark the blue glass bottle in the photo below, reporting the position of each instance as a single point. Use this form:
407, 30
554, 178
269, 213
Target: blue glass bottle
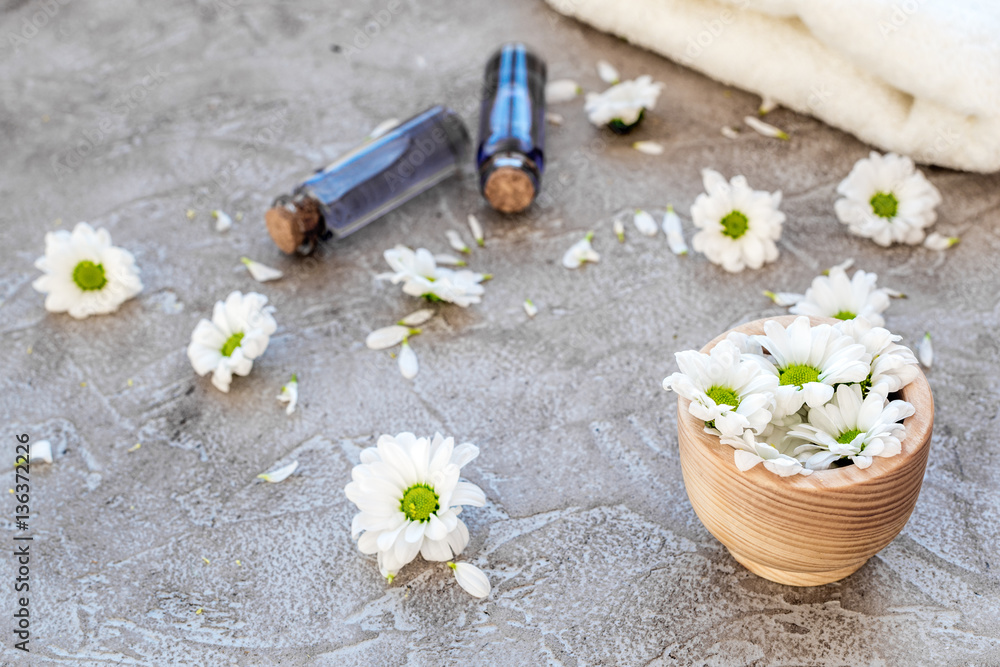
369, 181
511, 155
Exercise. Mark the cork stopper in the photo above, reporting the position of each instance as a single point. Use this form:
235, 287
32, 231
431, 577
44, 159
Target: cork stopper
291, 224
509, 190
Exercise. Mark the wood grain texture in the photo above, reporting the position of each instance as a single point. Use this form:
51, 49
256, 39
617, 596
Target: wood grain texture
804, 530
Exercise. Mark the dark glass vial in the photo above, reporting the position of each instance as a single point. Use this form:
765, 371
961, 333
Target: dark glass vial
511, 148
369, 181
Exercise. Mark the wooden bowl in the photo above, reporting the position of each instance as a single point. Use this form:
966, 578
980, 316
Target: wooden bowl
804, 530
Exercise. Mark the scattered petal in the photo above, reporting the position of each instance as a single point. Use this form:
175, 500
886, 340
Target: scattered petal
290, 394
553, 118
843, 266
645, 223
767, 105
561, 90
925, 351
580, 253
190, 213
619, 228
763, 128
648, 147
477, 230
675, 233
607, 72
222, 221
893, 293
473, 580
530, 308
40, 451
279, 475
730, 132
135, 447
936, 241
456, 242
261, 272
450, 260
784, 299
387, 337
382, 128
408, 361
417, 317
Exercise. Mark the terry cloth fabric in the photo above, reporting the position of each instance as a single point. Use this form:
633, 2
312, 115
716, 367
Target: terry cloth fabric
917, 77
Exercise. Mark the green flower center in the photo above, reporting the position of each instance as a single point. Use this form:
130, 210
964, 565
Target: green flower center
884, 204
231, 344
734, 225
724, 396
845, 315
419, 502
848, 436
89, 276
798, 374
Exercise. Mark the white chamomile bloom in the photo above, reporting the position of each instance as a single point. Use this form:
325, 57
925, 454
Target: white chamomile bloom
729, 393
456, 242
262, 273
737, 226
290, 394
409, 496
852, 426
408, 366
84, 274
473, 580
238, 333
580, 253
421, 276
561, 90
835, 295
675, 233
623, 105
892, 364
886, 199
809, 361
645, 223
752, 449
935, 241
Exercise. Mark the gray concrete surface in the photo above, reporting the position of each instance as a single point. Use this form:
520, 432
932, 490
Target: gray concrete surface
594, 552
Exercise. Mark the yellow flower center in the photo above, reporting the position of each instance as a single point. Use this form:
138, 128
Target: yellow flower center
845, 315
798, 375
419, 502
848, 436
734, 225
724, 396
231, 344
89, 276
884, 204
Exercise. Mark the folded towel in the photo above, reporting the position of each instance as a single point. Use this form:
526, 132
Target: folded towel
917, 77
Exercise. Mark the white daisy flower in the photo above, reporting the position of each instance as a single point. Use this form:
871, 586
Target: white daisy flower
886, 199
580, 253
561, 90
729, 393
290, 394
456, 242
809, 361
409, 496
607, 72
644, 222
279, 475
84, 274
473, 580
752, 449
738, 226
851, 426
477, 230
675, 233
935, 241
421, 276
238, 333
262, 273
408, 366
623, 105
926, 351
760, 127
835, 295
892, 364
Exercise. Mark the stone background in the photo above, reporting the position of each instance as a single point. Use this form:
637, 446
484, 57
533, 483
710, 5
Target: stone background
595, 554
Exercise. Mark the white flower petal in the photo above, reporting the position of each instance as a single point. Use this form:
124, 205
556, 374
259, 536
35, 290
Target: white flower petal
675, 233
767, 105
280, 474
936, 241
473, 580
477, 230
607, 72
222, 221
408, 365
290, 394
387, 337
561, 90
580, 253
648, 147
449, 260
261, 272
529, 308
784, 298
553, 118
925, 351
765, 129
456, 242
645, 223
417, 317
619, 229
729, 132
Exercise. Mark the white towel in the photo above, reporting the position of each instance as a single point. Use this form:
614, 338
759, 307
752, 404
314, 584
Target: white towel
917, 77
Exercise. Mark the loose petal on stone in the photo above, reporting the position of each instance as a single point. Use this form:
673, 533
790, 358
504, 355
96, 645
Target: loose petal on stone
561, 90
290, 394
645, 223
675, 233
477, 230
387, 337
730, 132
261, 272
767, 105
473, 580
619, 228
222, 221
530, 308
408, 365
925, 351
417, 317
449, 260
936, 241
456, 242
784, 299
763, 128
553, 118
607, 72
280, 474
648, 147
